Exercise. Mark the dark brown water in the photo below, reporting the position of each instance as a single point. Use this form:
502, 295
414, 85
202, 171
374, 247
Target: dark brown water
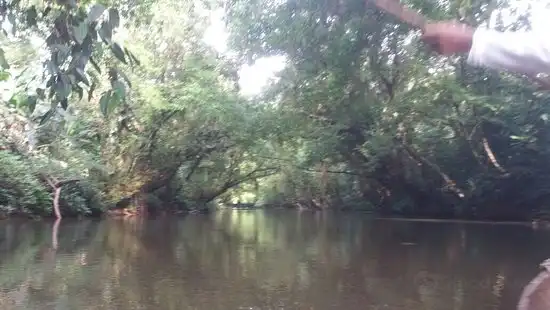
266, 260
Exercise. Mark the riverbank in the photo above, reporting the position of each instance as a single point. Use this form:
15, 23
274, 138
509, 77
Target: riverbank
131, 212
455, 221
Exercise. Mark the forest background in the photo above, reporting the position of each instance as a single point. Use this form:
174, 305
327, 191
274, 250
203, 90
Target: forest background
182, 106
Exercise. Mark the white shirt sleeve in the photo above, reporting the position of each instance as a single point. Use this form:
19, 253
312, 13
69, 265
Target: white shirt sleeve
519, 52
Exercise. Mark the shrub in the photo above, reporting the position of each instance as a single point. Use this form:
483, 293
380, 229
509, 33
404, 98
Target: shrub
20, 190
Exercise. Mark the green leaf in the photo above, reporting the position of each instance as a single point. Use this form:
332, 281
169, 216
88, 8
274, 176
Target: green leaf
4, 76
95, 12
3, 63
52, 68
46, 116
64, 103
80, 92
81, 76
11, 19
54, 103
91, 91
13, 100
117, 50
31, 103
40, 92
69, 3
114, 18
125, 77
132, 56
62, 52
62, 87
46, 11
96, 66
119, 90
104, 103
50, 81
31, 15
14, 3
86, 49
80, 32
106, 32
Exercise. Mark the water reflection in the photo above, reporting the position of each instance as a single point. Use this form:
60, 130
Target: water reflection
265, 260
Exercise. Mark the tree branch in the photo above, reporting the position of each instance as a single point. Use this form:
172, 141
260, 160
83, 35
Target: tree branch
451, 184
249, 176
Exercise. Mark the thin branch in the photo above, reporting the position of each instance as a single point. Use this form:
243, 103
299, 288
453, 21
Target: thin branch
451, 184
194, 167
289, 162
65, 182
50, 181
491, 156
249, 176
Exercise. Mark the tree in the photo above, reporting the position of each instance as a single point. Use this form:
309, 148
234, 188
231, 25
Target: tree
418, 134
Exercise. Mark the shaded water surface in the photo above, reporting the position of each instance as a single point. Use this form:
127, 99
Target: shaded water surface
266, 260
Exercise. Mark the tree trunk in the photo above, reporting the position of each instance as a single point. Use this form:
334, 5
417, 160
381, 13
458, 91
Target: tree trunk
56, 210
56, 186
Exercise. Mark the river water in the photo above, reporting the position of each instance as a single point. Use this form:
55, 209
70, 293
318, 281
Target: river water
266, 260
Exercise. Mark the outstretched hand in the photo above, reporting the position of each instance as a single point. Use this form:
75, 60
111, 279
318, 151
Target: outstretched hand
448, 37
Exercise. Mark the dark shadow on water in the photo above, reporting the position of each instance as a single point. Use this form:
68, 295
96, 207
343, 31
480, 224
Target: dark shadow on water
266, 260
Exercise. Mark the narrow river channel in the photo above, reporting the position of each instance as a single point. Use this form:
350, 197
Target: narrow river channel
234, 260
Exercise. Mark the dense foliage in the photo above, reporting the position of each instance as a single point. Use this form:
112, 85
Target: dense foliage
390, 126
123, 105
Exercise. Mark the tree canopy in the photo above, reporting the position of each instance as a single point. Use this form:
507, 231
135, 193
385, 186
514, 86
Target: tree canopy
123, 105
